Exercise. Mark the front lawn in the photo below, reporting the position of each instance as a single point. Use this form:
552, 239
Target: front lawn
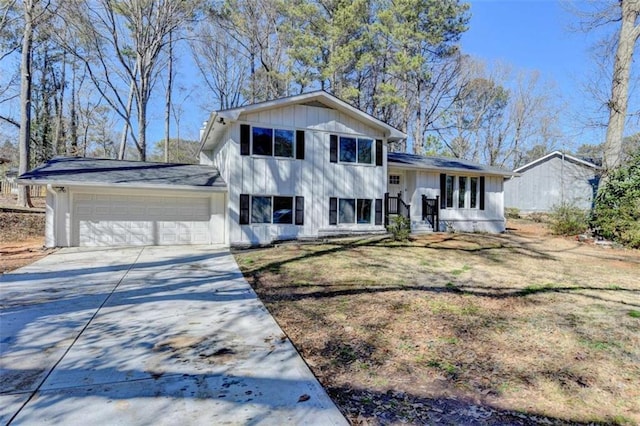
462, 328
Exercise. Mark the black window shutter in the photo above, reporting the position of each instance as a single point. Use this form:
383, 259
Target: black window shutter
378, 211
333, 156
299, 211
300, 144
378, 152
481, 192
245, 137
244, 209
443, 191
333, 211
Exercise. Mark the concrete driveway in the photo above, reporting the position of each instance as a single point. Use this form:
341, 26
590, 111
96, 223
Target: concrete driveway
154, 335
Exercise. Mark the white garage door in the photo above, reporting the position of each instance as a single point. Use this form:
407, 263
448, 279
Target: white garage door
115, 219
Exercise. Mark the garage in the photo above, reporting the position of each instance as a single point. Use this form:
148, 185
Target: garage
96, 202
101, 219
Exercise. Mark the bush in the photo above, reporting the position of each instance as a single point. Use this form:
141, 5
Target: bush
400, 228
567, 219
512, 213
616, 215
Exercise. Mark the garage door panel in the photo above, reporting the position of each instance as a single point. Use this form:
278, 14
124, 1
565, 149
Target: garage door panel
103, 220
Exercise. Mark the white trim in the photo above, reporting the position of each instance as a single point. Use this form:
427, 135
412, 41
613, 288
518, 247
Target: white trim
450, 170
59, 183
219, 119
557, 153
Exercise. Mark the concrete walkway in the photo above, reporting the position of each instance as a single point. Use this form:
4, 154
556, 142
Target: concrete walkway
141, 336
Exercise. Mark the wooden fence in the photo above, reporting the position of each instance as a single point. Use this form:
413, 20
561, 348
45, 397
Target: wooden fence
7, 188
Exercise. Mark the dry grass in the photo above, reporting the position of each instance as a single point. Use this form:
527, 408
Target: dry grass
524, 323
16, 227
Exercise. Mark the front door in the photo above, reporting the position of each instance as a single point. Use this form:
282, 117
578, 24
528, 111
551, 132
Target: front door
396, 184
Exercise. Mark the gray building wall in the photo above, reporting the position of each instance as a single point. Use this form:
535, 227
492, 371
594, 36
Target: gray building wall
550, 183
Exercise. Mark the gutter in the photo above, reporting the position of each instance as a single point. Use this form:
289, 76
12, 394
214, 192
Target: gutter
63, 183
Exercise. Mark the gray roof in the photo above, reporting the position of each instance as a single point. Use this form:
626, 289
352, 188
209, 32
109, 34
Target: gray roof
64, 171
445, 164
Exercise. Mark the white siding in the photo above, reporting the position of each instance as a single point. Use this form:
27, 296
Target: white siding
315, 178
551, 183
491, 219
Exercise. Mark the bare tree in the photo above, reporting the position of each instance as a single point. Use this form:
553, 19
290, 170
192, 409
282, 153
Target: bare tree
124, 41
25, 98
628, 36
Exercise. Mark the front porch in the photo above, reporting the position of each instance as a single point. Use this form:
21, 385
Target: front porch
425, 220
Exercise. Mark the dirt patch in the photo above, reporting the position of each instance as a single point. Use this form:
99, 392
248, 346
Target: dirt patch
21, 235
519, 328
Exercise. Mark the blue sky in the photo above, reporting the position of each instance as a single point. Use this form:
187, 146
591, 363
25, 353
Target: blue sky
526, 34
537, 35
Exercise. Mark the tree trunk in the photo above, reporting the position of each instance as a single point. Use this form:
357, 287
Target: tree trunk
24, 199
629, 33
125, 131
167, 117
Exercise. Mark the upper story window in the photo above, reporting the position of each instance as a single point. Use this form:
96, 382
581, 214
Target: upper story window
351, 149
276, 142
272, 142
355, 150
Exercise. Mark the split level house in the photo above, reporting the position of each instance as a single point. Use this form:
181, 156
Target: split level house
305, 166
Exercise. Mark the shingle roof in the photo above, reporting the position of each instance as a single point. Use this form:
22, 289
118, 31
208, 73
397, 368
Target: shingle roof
401, 159
103, 172
563, 156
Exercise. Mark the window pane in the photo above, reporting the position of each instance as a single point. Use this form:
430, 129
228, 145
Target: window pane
282, 209
348, 150
474, 192
462, 189
449, 192
394, 179
284, 143
262, 141
346, 211
364, 150
364, 211
260, 209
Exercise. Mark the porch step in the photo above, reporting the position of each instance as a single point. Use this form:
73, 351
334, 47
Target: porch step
420, 227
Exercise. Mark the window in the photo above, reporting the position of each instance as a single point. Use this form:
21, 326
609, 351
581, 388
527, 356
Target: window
462, 191
348, 150
271, 142
284, 141
364, 211
350, 210
468, 191
394, 180
474, 192
262, 141
364, 150
352, 150
449, 191
282, 209
258, 209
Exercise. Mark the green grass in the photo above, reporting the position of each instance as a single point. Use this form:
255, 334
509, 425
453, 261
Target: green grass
634, 314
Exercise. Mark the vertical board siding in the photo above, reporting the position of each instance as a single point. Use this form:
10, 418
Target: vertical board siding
315, 178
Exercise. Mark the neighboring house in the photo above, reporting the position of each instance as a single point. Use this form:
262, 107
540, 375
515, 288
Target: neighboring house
305, 166
470, 195
552, 180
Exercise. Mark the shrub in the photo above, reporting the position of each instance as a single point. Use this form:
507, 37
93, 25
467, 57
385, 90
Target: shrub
400, 228
567, 219
616, 215
512, 213
538, 217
